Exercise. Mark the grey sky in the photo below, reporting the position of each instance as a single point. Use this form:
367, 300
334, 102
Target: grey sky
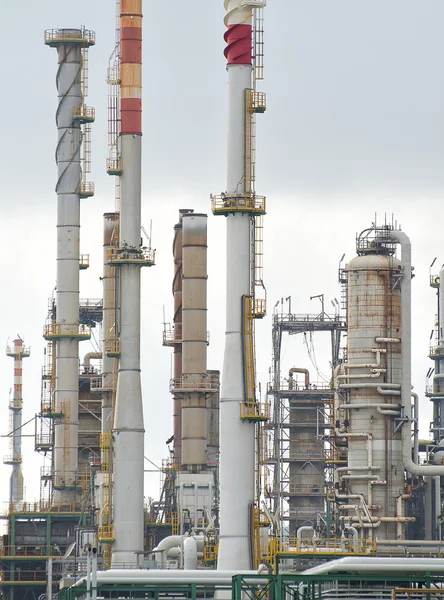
354, 126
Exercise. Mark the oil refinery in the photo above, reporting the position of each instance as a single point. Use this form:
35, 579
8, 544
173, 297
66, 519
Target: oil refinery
313, 483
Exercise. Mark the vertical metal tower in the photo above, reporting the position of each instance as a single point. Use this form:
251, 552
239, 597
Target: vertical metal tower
18, 352
71, 45
129, 257
242, 208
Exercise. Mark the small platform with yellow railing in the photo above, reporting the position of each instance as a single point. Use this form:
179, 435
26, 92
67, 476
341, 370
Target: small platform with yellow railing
112, 347
87, 189
84, 37
225, 204
106, 534
143, 257
114, 166
57, 331
83, 262
84, 114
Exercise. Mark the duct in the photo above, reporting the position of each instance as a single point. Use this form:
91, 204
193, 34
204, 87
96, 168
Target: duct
194, 341
189, 554
109, 325
65, 454
128, 426
301, 370
88, 357
378, 565
301, 530
406, 386
354, 534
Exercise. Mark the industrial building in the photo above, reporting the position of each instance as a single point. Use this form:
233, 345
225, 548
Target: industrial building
319, 489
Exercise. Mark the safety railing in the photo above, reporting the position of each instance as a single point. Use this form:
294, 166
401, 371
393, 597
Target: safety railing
192, 384
436, 351
257, 411
55, 330
87, 189
243, 203
434, 281
84, 261
258, 102
16, 403
106, 534
23, 351
326, 546
112, 347
83, 113
85, 36
12, 460
306, 489
19, 551
114, 166
126, 255
21, 576
40, 507
98, 384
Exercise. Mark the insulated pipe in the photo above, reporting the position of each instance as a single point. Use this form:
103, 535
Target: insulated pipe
18, 352
301, 370
194, 342
89, 356
177, 322
301, 530
237, 443
109, 328
94, 574
406, 352
69, 43
189, 554
173, 577
355, 536
128, 427
379, 565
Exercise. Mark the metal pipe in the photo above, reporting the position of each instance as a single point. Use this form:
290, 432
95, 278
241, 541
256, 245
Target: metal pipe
128, 427
69, 44
306, 372
158, 576
109, 325
94, 574
237, 443
406, 387
301, 531
177, 324
88, 573
194, 342
89, 356
49, 579
378, 565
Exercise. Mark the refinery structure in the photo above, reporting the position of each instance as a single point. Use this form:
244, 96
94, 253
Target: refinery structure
302, 489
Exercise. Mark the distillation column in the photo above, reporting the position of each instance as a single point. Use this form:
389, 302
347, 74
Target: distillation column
370, 391
18, 352
128, 428
65, 330
237, 437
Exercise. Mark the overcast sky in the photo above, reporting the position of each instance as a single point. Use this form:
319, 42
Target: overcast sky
354, 127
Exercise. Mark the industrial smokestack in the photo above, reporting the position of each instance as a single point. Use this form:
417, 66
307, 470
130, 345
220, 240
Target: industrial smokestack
65, 329
236, 435
194, 341
18, 352
128, 428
